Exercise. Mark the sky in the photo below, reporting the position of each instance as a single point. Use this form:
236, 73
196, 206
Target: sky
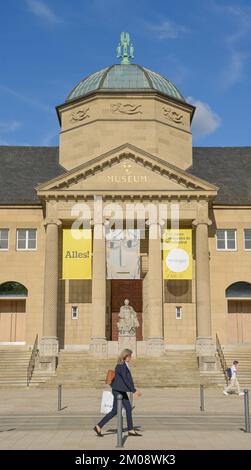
202, 46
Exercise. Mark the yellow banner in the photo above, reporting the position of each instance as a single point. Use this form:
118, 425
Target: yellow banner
177, 254
77, 248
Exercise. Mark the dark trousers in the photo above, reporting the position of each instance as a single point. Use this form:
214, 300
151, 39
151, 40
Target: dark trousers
126, 404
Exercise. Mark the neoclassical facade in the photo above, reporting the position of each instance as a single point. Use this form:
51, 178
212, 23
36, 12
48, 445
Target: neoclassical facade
125, 144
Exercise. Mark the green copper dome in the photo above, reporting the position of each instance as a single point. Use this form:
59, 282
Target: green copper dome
125, 77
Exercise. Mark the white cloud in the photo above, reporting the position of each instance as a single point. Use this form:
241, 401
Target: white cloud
168, 30
11, 126
42, 10
205, 120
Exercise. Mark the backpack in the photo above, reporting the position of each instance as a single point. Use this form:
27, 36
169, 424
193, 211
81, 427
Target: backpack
229, 373
110, 377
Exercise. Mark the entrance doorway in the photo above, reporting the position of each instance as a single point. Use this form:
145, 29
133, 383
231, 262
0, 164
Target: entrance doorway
239, 321
122, 289
12, 321
12, 312
239, 312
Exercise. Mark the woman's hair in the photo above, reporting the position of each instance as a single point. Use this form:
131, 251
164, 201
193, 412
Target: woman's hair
123, 355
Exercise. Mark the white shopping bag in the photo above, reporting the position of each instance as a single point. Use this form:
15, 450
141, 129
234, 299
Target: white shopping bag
106, 402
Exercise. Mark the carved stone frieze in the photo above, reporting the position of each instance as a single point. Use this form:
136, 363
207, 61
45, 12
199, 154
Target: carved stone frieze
126, 108
173, 116
79, 115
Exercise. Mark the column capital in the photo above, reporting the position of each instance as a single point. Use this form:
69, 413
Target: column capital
52, 221
205, 221
151, 223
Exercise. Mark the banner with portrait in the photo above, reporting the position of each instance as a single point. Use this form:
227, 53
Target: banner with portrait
123, 254
177, 254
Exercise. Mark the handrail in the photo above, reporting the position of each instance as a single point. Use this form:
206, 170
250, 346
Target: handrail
222, 358
32, 361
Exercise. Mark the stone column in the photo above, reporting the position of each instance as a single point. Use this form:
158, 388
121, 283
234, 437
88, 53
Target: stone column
49, 341
205, 347
155, 341
98, 344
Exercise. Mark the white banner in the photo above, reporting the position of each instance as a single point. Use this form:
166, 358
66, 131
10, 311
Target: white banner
123, 254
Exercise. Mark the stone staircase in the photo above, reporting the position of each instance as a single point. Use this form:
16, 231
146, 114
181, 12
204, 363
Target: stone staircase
174, 369
80, 370
13, 366
243, 355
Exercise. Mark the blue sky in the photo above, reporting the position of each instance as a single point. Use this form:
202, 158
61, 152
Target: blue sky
47, 46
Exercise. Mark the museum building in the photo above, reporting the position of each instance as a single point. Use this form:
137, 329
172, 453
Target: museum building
125, 141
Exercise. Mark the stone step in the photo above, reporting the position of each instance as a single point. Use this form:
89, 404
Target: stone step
11, 355
14, 359
13, 381
14, 364
16, 373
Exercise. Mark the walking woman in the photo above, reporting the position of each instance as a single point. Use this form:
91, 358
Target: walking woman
122, 383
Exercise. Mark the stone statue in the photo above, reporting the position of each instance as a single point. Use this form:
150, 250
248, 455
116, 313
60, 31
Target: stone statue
119, 50
132, 51
128, 321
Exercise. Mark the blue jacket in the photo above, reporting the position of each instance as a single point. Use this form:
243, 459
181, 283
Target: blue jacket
123, 381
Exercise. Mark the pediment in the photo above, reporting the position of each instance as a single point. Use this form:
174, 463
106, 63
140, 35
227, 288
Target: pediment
126, 169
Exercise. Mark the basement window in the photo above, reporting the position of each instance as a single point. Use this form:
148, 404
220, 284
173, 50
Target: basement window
178, 313
74, 312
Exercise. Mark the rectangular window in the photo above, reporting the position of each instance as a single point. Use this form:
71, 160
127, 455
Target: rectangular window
4, 239
226, 240
178, 313
247, 238
74, 312
27, 239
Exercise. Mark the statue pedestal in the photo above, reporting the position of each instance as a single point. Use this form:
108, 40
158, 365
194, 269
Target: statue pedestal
127, 342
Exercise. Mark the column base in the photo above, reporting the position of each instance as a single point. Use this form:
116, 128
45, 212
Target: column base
48, 346
155, 347
48, 352
127, 342
206, 353
98, 347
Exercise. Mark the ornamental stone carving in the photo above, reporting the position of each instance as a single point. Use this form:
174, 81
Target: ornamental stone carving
79, 115
126, 108
173, 116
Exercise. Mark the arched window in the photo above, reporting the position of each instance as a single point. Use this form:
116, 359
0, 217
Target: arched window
13, 289
239, 290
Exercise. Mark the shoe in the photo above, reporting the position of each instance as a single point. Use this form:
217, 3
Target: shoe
225, 393
97, 431
134, 433
241, 394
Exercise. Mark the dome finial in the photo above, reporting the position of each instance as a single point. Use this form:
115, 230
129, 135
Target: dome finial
125, 44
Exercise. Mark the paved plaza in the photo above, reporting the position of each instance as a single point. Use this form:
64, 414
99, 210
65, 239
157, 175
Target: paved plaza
168, 419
